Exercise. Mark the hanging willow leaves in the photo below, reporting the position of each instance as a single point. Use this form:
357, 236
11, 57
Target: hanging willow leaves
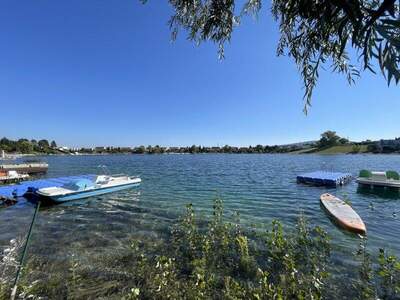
314, 33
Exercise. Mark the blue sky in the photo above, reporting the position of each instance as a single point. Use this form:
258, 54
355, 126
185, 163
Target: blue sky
99, 72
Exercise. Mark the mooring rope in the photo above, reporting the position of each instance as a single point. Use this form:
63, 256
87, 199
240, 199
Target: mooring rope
21, 262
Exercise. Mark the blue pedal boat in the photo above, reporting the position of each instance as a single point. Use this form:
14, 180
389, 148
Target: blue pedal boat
84, 188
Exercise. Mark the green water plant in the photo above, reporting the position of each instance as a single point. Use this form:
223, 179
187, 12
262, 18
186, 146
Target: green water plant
364, 283
389, 275
213, 257
222, 261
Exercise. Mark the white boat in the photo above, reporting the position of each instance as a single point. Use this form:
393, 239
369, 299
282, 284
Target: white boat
84, 188
384, 179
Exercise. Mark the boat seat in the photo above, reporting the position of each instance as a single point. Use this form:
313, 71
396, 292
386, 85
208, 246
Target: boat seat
365, 174
392, 175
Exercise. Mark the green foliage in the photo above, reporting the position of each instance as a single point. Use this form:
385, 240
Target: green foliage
389, 273
25, 146
355, 148
392, 175
365, 285
140, 150
365, 174
44, 144
313, 33
301, 259
373, 148
211, 259
328, 139
222, 262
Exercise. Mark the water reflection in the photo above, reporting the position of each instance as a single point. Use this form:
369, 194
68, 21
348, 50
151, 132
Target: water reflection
379, 191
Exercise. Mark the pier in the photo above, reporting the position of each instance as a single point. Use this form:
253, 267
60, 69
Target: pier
28, 167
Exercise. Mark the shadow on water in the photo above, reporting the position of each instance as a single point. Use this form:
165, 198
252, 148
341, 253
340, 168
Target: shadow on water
381, 192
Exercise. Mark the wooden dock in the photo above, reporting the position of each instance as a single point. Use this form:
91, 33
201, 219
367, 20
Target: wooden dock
27, 168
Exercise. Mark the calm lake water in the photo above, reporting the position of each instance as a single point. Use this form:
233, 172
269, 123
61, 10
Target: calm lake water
260, 187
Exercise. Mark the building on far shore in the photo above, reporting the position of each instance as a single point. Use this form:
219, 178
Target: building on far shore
100, 149
63, 149
389, 145
173, 149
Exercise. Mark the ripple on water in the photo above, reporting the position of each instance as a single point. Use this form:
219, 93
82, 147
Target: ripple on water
260, 187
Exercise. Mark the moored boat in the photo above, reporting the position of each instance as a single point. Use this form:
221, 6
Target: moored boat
12, 176
389, 179
343, 214
84, 188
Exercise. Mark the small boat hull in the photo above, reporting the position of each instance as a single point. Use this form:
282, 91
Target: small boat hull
88, 193
343, 214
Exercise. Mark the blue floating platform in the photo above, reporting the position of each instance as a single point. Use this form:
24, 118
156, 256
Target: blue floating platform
19, 190
323, 178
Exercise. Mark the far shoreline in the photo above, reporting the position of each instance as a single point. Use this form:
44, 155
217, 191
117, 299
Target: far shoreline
24, 155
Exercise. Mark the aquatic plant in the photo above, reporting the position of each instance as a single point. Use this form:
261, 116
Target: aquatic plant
223, 261
364, 284
214, 258
389, 275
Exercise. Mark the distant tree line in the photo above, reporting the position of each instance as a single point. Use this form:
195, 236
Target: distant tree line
385, 146
26, 146
328, 139
191, 149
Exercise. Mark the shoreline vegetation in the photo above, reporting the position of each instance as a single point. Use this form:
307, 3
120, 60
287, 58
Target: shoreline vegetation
329, 143
212, 258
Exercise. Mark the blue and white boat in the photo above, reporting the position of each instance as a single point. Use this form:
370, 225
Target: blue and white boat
83, 188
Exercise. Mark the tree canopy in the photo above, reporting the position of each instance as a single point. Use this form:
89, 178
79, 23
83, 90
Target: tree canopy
330, 138
25, 146
315, 33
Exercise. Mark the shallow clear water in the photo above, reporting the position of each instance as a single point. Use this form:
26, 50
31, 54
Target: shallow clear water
260, 187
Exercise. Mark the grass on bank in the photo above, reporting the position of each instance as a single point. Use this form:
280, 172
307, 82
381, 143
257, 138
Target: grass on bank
344, 149
216, 259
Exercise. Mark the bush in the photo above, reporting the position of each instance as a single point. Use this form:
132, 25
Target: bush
355, 148
216, 259
223, 262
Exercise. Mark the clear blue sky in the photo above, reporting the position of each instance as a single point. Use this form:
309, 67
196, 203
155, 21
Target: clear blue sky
100, 72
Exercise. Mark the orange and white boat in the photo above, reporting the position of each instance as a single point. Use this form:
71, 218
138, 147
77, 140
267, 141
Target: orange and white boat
12, 176
343, 213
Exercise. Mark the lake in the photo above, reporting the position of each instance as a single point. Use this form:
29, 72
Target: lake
261, 187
